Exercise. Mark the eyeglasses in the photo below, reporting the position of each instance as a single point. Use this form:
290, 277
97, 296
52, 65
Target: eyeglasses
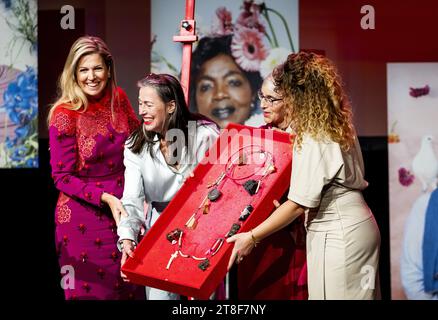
268, 99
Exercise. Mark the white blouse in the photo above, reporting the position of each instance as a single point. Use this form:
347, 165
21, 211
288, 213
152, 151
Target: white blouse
155, 182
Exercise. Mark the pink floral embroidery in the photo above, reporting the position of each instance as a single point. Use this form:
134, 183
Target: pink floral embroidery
98, 117
63, 122
121, 123
86, 145
94, 121
64, 214
97, 120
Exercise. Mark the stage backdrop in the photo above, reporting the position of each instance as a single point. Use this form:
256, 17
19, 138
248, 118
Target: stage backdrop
413, 147
18, 84
263, 34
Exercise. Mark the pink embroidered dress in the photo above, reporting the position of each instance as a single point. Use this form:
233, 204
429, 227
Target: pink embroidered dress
86, 150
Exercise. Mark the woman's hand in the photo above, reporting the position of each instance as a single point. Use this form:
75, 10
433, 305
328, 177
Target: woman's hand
115, 205
128, 248
243, 245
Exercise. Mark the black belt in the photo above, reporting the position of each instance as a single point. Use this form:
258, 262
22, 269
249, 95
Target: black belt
159, 206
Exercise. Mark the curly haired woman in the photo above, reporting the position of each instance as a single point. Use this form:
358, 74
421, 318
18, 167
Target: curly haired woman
343, 239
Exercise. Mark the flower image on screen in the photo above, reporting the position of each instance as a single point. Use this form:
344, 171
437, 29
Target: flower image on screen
18, 84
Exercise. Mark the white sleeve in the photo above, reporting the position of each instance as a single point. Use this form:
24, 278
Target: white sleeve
206, 137
133, 199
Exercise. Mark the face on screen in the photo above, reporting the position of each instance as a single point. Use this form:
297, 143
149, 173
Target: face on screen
223, 93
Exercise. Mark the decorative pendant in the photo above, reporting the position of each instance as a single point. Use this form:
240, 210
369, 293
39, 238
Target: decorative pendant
246, 212
204, 265
251, 186
214, 194
174, 235
271, 169
192, 223
206, 207
234, 228
242, 160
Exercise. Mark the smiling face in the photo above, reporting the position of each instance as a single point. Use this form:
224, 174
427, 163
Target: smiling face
273, 110
223, 92
92, 75
153, 110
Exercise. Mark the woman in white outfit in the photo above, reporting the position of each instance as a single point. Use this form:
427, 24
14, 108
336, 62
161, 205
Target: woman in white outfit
343, 240
158, 157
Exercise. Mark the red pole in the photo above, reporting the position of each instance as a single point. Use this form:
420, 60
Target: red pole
190, 9
187, 36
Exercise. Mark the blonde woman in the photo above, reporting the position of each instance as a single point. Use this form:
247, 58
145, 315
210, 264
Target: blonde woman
88, 126
343, 240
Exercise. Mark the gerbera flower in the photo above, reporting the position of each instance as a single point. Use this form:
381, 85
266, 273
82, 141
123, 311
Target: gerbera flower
250, 17
222, 24
248, 48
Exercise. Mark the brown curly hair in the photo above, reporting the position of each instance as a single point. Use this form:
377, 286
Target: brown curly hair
315, 101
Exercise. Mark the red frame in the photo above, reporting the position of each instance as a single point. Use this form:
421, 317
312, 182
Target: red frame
184, 277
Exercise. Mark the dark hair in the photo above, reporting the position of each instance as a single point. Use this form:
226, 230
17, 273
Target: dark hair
168, 89
208, 48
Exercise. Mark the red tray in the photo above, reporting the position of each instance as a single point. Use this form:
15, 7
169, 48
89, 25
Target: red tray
154, 250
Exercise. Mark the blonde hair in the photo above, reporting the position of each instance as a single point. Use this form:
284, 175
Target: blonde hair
315, 101
69, 92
